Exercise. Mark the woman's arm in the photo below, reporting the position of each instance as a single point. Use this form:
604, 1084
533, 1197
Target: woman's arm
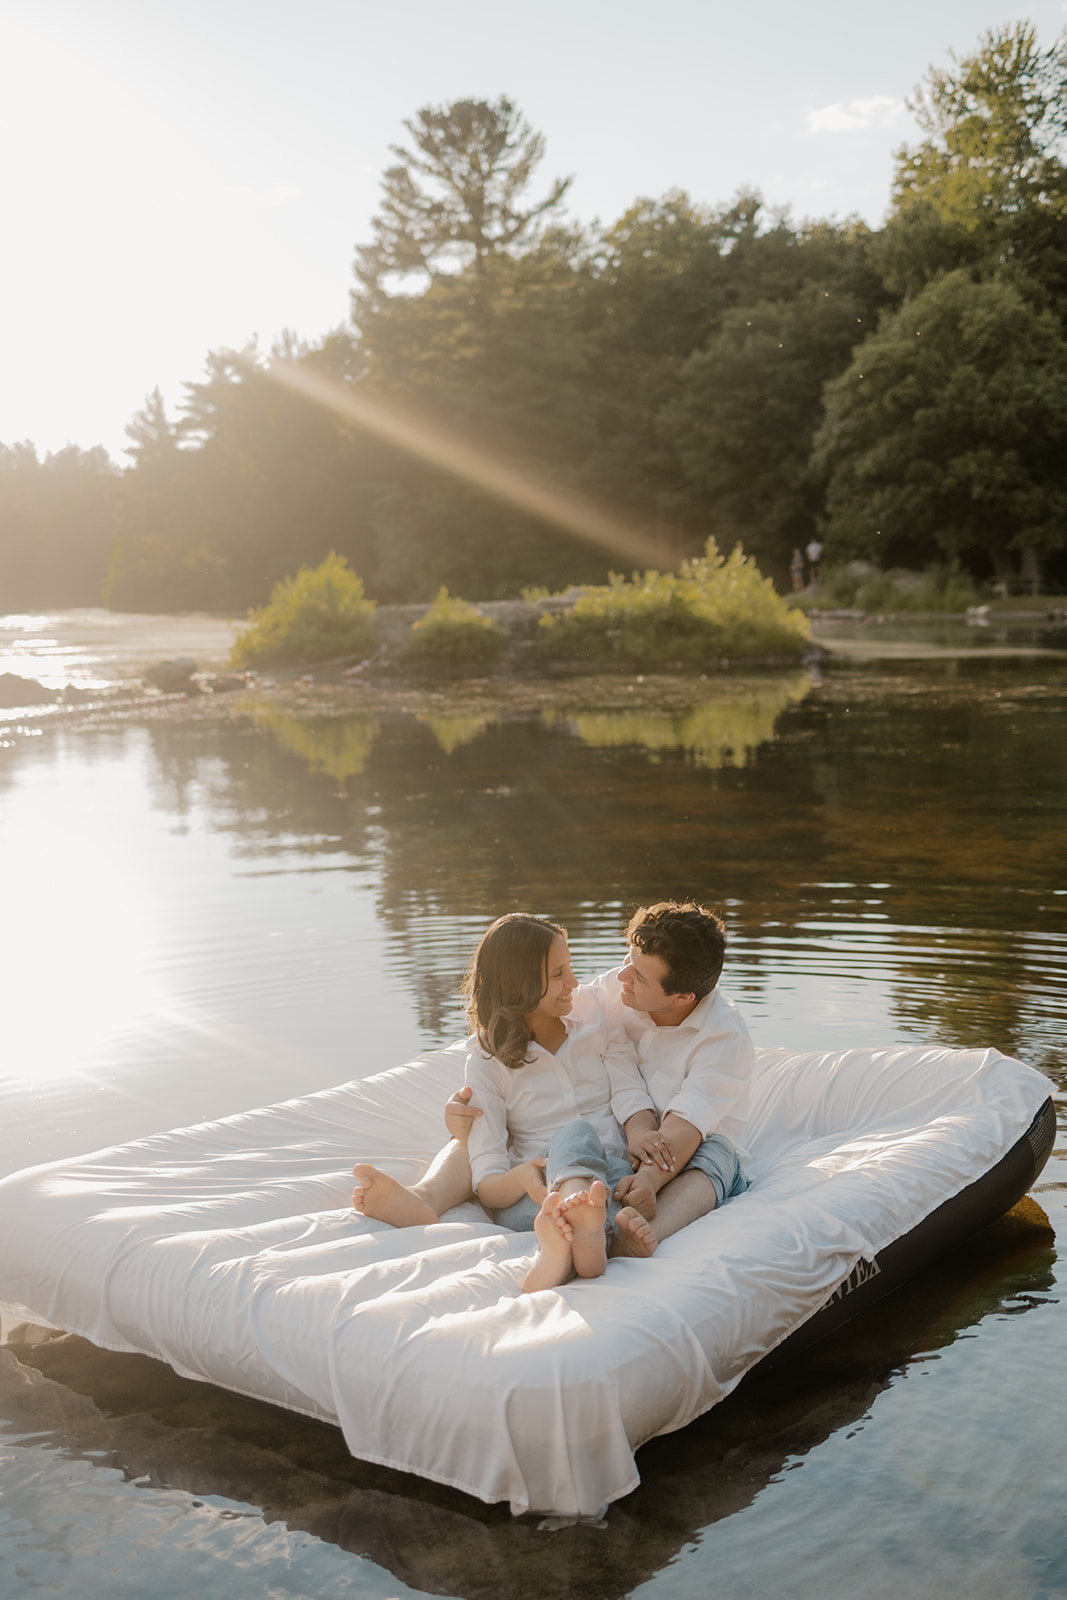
487, 1144
501, 1189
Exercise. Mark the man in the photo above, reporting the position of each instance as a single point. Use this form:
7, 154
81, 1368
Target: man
813, 551
683, 1115
694, 1055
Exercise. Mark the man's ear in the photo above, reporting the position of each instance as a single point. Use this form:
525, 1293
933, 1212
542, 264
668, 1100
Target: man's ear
684, 1002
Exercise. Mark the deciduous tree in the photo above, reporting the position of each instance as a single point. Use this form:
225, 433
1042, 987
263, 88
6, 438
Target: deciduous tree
987, 186
947, 435
56, 523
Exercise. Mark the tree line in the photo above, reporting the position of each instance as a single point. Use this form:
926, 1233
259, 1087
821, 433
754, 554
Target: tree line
689, 371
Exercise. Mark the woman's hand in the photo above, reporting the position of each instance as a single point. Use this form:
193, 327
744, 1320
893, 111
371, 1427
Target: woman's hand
648, 1147
533, 1177
460, 1115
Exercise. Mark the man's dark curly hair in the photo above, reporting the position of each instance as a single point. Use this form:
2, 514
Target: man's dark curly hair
689, 938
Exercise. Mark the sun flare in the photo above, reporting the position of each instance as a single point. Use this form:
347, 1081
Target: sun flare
444, 448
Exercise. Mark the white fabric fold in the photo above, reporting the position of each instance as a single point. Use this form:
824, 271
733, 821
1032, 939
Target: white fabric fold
231, 1251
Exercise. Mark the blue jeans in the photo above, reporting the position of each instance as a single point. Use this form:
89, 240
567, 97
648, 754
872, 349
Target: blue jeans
574, 1152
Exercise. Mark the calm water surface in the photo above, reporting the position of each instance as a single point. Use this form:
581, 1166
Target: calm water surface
202, 914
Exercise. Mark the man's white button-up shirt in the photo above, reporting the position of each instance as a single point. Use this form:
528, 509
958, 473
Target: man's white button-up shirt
701, 1068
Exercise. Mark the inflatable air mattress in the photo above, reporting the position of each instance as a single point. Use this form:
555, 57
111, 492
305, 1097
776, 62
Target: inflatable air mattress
230, 1250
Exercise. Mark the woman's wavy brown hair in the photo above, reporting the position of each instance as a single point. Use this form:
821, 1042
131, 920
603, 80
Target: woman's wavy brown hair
505, 982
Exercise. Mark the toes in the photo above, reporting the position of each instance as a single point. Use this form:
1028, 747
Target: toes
633, 1234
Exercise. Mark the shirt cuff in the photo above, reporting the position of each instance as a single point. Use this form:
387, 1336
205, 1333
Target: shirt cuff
486, 1167
705, 1115
628, 1102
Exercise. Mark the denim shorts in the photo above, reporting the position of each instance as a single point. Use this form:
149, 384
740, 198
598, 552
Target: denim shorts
717, 1159
574, 1152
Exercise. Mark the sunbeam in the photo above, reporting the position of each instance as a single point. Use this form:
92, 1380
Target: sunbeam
442, 447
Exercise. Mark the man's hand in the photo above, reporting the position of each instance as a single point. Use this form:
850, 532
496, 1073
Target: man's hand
460, 1115
636, 1191
648, 1147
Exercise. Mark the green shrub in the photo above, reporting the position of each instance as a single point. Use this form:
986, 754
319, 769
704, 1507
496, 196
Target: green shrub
836, 591
941, 587
879, 594
452, 634
945, 587
320, 614
715, 607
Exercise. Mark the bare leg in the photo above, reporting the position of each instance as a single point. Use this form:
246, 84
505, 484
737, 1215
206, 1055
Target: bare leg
585, 1206
689, 1196
552, 1265
634, 1235
447, 1180
446, 1183
378, 1195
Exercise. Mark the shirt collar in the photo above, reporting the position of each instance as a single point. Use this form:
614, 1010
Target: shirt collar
694, 1021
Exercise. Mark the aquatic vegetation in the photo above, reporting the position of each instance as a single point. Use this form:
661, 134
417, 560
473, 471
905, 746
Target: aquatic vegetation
714, 608
318, 615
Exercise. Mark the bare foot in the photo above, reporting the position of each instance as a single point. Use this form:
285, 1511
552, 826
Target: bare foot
552, 1265
586, 1210
382, 1197
633, 1236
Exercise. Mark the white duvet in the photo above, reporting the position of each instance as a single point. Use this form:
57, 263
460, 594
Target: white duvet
230, 1250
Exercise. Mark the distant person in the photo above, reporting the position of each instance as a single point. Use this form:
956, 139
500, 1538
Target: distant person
814, 555
796, 569
684, 1111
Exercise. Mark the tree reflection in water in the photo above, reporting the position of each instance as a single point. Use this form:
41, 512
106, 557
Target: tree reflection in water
900, 829
336, 746
725, 732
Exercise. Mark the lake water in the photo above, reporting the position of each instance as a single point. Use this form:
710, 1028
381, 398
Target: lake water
210, 908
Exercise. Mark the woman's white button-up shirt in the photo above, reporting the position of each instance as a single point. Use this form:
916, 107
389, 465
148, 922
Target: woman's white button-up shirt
522, 1107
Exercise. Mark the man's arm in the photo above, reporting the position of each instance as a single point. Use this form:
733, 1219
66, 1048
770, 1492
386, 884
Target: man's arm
460, 1115
718, 1073
660, 1152
628, 1089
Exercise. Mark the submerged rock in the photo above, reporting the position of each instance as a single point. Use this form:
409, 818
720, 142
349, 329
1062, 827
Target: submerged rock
173, 677
223, 683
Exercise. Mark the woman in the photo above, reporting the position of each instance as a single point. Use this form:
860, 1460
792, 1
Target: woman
545, 1152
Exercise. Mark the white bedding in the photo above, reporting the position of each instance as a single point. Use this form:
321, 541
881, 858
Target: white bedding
230, 1250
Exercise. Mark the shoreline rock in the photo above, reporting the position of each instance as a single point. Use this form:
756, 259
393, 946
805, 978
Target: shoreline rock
17, 691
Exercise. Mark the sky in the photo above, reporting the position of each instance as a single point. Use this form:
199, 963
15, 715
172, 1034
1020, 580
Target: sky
179, 177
